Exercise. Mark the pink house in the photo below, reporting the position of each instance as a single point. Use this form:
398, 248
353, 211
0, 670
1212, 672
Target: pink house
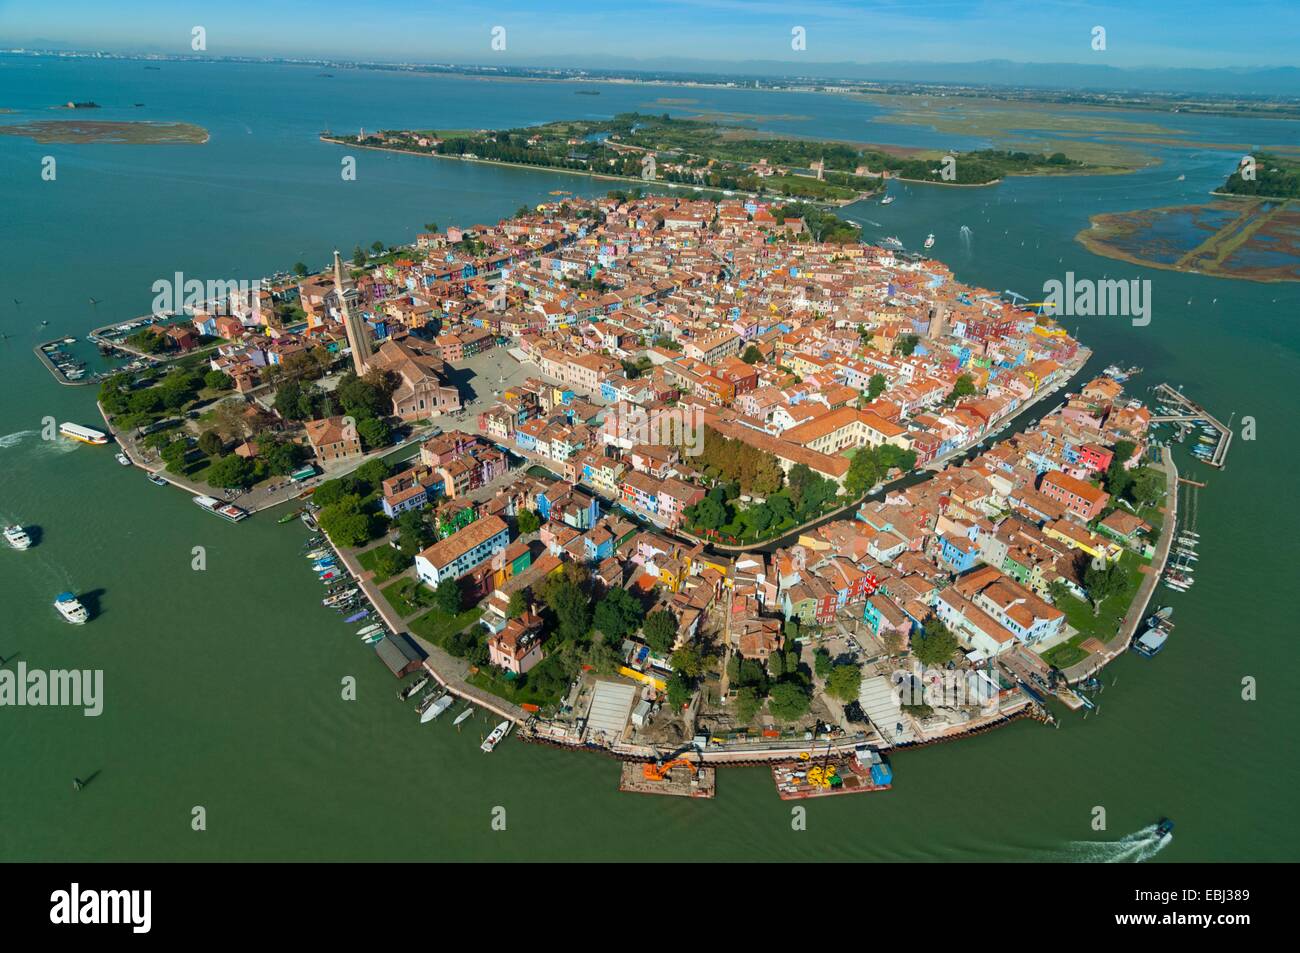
517, 647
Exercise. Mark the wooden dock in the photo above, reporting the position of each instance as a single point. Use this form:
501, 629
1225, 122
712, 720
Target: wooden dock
1191, 412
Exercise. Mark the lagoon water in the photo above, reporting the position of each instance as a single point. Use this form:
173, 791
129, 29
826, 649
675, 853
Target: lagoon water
223, 687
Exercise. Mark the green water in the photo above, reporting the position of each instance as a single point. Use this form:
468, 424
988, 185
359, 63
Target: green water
223, 687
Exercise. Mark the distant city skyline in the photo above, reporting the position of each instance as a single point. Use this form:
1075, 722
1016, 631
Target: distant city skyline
716, 34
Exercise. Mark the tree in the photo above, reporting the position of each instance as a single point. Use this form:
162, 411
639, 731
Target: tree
216, 380
571, 607
1148, 486
447, 597
518, 604
331, 491
281, 456
660, 631
788, 701
709, 513
359, 256
345, 522
822, 663
377, 247
529, 522
935, 645
413, 532
746, 704
964, 387
864, 472
389, 561
844, 682
231, 471
618, 614
688, 661
752, 355
210, 442
300, 269
876, 386
374, 433
1102, 582
679, 690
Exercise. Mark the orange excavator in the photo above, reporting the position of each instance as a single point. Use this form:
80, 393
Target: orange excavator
657, 772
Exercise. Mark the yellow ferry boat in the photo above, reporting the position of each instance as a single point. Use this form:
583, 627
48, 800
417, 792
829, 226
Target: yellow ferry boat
84, 434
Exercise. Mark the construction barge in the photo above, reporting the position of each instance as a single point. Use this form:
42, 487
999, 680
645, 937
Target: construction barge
677, 778
858, 773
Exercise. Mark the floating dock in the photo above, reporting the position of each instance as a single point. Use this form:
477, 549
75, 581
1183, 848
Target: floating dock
1188, 411
680, 780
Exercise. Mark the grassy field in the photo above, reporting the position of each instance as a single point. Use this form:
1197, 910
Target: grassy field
406, 596
436, 626
1104, 625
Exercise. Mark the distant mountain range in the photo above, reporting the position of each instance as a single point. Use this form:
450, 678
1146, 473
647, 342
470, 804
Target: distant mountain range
1260, 82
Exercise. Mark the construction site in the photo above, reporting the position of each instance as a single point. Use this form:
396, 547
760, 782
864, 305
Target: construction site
676, 778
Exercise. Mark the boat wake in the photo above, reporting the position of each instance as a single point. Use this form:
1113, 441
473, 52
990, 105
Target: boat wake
13, 439
1130, 849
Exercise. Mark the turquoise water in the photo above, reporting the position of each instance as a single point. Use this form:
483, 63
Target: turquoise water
223, 686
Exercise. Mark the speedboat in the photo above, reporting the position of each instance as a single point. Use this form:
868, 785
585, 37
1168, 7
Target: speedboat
17, 537
375, 627
1165, 827
492, 740
71, 610
887, 200
123, 459
156, 480
435, 707
404, 693
891, 242
929, 241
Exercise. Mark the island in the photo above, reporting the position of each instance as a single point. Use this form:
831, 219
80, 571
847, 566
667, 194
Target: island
78, 131
712, 153
655, 473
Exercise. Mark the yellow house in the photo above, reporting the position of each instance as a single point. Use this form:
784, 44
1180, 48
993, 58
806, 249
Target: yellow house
1076, 537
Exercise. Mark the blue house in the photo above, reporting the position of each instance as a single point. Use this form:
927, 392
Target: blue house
958, 552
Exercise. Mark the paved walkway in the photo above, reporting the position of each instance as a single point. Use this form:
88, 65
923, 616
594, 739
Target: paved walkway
1137, 610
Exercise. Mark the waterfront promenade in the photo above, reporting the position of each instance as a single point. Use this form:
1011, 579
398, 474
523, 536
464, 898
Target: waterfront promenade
1137, 610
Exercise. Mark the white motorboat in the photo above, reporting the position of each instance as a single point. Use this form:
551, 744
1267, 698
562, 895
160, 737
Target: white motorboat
71, 610
369, 629
123, 459
463, 715
437, 707
929, 240
17, 537
492, 740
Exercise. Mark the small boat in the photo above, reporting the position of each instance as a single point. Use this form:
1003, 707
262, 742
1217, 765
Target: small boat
409, 690
436, 707
338, 597
17, 537
887, 200
891, 242
318, 553
492, 740
462, 716
156, 480
1150, 642
290, 517
372, 639
71, 610
929, 241
1165, 827
308, 521
123, 459
370, 628
324, 565
357, 616
328, 575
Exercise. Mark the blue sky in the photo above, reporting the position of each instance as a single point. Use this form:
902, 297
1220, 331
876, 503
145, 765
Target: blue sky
1191, 33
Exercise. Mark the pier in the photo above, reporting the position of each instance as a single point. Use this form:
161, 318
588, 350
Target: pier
1188, 411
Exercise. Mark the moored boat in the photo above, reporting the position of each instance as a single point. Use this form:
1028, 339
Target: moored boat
338, 597
228, 511
156, 480
404, 693
17, 537
375, 627
462, 716
436, 707
494, 739
123, 459
71, 610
